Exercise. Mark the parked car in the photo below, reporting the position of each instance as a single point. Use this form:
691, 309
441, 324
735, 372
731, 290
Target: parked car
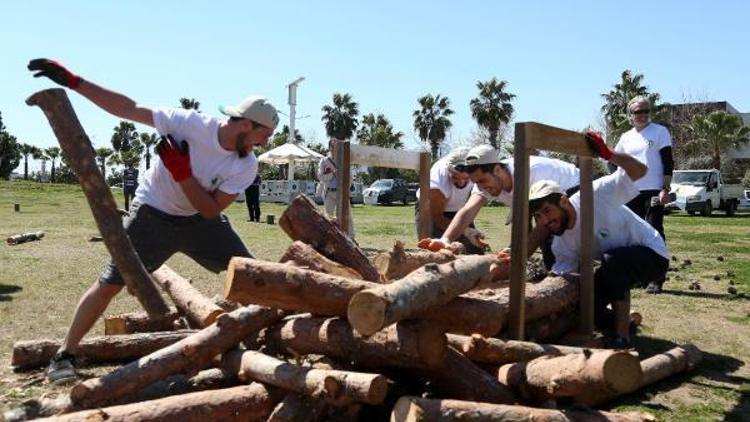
703, 191
745, 201
387, 191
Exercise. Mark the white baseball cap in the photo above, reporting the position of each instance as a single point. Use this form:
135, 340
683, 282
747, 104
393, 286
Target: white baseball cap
483, 154
254, 108
543, 189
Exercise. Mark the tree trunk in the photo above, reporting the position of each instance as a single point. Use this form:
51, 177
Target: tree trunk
499, 352
302, 221
305, 256
37, 353
247, 403
585, 377
424, 289
336, 387
80, 154
407, 345
298, 408
24, 237
199, 309
398, 263
193, 353
139, 322
414, 409
457, 377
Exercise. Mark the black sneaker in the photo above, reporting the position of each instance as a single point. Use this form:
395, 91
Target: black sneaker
653, 288
61, 368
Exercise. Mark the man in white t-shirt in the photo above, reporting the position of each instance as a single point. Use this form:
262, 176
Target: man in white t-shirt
492, 175
651, 144
205, 163
631, 251
450, 188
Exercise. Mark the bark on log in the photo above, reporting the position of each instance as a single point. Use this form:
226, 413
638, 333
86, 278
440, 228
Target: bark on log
298, 408
199, 309
499, 352
457, 377
305, 256
24, 237
193, 353
140, 322
37, 353
414, 409
421, 290
246, 403
336, 387
585, 377
407, 345
302, 221
398, 262
553, 326
79, 152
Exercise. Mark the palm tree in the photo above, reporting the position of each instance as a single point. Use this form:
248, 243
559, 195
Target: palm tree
148, 140
378, 131
615, 108
101, 157
190, 104
341, 117
431, 121
28, 150
492, 108
715, 133
53, 153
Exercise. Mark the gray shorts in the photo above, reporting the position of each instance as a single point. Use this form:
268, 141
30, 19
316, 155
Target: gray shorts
156, 236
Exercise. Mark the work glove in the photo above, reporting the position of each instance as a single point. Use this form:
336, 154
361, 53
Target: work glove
434, 245
55, 71
476, 237
597, 145
176, 157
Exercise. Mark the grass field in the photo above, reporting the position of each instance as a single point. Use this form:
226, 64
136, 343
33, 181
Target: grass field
40, 283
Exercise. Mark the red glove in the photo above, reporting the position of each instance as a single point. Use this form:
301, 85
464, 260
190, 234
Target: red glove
55, 71
597, 145
176, 157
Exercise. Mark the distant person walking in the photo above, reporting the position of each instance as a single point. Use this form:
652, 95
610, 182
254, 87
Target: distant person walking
129, 184
252, 197
329, 181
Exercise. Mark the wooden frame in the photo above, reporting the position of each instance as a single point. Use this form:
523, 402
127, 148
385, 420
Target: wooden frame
535, 136
365, 155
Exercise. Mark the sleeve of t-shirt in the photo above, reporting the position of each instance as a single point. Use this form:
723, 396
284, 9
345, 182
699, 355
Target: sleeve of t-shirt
665, 139
614, 189
240, 181
439, 180
565, 261
169, 120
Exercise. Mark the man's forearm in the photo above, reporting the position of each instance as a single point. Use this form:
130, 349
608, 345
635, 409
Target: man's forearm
632, 167
460, 222
667, 182
115, 103
204, 202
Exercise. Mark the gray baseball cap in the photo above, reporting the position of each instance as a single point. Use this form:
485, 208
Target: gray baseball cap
254, 108
483, 154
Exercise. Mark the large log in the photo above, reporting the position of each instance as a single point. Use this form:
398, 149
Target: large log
24, 237
553, 326
415, 409
124, 348
140, 322
199, 309
191, 354
305, 256
585, 377
499, 352
421, 290
302, 221
298, 408
457, 377
406, 345
246, 403
397, 263
80, 155
336, 387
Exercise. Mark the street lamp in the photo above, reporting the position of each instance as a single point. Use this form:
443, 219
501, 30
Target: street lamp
292, 105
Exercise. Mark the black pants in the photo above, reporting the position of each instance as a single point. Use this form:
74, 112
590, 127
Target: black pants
129, 194
252, 198
621, 269
654, 215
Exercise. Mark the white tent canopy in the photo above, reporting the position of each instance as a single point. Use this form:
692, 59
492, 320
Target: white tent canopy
290, 154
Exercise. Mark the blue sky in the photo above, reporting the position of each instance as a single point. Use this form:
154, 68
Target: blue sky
558, 57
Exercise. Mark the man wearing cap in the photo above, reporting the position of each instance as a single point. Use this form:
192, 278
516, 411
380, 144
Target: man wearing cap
631, 251
329, 184
492, 175
205, 163
450, 188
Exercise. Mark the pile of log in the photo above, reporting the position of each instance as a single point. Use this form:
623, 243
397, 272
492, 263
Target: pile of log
330, 334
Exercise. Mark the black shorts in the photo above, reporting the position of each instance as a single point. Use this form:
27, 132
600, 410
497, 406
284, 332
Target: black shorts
156, 236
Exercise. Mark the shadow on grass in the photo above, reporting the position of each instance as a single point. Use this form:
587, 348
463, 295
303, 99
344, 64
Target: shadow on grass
6, 290
706, 295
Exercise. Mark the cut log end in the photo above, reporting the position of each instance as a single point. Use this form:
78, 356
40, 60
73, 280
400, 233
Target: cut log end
366, 312
229, 277
622, 372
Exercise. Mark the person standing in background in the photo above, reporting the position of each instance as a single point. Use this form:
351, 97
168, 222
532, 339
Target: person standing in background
252, 197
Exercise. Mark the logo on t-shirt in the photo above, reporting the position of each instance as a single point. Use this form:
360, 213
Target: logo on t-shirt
215, 183
604, 233
650, 143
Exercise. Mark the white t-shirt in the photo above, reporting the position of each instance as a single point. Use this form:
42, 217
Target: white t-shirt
327, 173
615, 225
440, 179
213, 166
540, 168
645, 146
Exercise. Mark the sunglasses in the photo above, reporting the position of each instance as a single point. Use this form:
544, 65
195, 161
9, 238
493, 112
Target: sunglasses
644, 111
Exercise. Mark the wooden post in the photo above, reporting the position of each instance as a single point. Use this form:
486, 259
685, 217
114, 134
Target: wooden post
519, 234
425, 223
344, 179
586, 265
